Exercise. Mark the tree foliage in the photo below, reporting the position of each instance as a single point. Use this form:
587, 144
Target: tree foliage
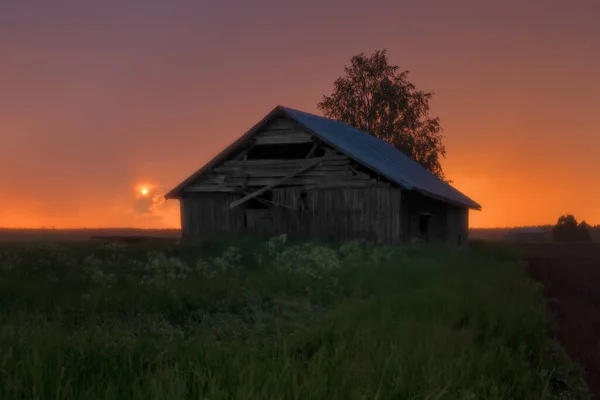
378, 98
584, 231
568, 230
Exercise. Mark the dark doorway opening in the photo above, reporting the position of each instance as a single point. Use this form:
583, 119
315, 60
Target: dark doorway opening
303, 202
424, 222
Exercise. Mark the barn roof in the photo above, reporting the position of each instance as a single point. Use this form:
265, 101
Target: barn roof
366, 149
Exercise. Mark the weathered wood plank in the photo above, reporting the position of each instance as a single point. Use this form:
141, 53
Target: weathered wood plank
330, 160
243, 153
200, 188
264, 171
276, 183
285, 137
373, 212
261, 167
312, 150
297, 180
283, 131
239, 173
265, 175
214, 178
282, 123
304, 183
300, 179
280, 132
346, 184
273, 170
206, 214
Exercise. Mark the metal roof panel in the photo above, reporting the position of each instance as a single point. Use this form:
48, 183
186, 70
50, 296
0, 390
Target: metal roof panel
380, 156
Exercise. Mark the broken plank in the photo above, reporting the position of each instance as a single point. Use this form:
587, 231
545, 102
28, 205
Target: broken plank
295, 181
276, 183
312, 150
330, 160
346, 184
239, 173
243, 153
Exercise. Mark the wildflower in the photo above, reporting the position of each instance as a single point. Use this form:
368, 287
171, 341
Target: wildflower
160, 271
230, 260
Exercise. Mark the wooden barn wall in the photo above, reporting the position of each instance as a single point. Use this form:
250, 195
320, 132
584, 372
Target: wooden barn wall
234, 175
446, 223
209, 213
458, 224
372, 213
414, 205
282, 130
245, 171
386, 214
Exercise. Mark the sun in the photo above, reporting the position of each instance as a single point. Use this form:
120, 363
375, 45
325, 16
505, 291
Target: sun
144, 189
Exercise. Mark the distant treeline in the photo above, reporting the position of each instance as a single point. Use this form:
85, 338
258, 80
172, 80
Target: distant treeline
10, 234
500, 233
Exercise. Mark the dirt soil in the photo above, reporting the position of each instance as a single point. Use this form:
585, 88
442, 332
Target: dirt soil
571, 276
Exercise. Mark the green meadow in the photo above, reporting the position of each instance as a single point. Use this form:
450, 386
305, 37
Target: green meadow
243, 318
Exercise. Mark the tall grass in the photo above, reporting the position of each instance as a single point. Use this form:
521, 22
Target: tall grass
241, 319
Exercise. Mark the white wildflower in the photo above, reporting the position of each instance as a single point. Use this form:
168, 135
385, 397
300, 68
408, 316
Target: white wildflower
230, 260
160, 271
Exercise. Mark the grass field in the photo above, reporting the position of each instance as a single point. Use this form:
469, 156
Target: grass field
240, 318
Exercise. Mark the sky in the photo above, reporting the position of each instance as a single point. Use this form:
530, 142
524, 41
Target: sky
101, 99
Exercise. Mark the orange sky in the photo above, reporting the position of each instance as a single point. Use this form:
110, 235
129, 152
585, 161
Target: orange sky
96, 99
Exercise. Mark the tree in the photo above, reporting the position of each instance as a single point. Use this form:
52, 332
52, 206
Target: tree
584, 231
378, 98
567, 229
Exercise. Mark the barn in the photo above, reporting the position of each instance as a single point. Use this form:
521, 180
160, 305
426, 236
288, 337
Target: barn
309, 176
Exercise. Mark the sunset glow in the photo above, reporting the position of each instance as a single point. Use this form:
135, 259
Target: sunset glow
110, 107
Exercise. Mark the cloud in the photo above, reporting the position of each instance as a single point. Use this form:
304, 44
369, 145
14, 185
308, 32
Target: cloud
151, 205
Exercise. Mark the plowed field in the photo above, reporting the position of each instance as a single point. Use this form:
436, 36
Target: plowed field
571, 276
